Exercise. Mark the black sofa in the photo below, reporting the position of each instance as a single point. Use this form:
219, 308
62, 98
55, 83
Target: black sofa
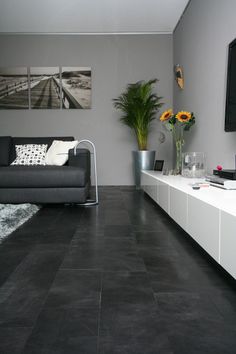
69, 183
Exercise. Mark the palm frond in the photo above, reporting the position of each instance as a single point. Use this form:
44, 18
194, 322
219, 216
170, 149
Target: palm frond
139, 106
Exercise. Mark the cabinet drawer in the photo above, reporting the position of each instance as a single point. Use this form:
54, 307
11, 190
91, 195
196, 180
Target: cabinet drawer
203, 225
163, 196
228, 243
149, 185
178, 207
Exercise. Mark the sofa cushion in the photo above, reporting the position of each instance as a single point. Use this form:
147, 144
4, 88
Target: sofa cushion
35, 140
5, 149
30, 154
58, 152
42, 176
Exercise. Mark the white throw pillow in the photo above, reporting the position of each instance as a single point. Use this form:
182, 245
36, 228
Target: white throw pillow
57, 154
30, 154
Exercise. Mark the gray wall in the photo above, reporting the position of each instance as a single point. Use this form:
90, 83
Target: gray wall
201, 47
115, 61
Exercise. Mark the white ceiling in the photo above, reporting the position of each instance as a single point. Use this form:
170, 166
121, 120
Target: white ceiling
90, 16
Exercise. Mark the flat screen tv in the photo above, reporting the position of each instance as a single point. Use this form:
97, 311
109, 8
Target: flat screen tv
230, 108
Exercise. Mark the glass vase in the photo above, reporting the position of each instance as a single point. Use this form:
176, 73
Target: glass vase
178, 161
179, 142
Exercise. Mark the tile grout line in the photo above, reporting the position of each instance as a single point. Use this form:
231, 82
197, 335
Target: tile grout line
99, 314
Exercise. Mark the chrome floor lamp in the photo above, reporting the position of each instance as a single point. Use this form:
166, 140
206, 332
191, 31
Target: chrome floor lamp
90, 202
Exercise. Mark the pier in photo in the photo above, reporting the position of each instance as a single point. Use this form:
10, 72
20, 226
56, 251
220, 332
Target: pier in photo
45, 88
14, 88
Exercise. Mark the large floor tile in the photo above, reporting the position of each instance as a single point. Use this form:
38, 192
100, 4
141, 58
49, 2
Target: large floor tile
117, 217
24, 293
12, 340
104, 253
129, 320
59, 330
124, 231
85, 345
171, 277
154, 239
225, 302
135, 345
186, 306
126, 287
10, 258
75, 288
205, 336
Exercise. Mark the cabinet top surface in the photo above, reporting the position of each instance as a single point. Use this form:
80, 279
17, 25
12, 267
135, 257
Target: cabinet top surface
217, 197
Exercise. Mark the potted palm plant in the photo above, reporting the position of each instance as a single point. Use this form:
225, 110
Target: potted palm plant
139, 105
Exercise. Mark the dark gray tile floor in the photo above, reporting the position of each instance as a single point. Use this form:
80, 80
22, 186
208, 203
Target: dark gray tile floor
118, 278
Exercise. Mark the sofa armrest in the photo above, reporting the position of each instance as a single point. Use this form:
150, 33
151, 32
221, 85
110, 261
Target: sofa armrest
81, 160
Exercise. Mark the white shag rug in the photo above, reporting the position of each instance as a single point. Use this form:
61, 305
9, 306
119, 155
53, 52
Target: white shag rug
14, 215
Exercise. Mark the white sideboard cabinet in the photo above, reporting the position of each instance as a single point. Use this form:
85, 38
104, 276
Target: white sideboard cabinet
208, 215
203, 225
228, 243
178, 205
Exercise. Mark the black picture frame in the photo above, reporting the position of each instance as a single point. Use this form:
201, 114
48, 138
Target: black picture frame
158, 166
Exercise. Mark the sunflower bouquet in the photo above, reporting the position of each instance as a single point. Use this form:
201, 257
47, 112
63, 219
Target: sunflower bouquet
181, 119
177, 124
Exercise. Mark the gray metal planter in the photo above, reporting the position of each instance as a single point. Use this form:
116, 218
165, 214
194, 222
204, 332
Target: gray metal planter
142, 160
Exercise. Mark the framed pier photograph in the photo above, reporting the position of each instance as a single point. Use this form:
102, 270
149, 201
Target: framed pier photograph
76, 87
14, 90
45, 88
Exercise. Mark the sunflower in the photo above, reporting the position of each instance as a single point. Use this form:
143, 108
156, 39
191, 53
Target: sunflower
166, 115
183, 116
